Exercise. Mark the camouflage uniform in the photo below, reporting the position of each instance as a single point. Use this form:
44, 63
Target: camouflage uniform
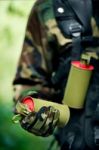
43, 46
41, 49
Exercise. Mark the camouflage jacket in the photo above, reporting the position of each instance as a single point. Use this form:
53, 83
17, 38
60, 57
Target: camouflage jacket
42, 47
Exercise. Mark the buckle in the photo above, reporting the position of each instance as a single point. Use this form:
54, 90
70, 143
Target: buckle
75, 29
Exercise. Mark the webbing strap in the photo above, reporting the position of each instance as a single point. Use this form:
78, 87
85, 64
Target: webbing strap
76, 48
83, 10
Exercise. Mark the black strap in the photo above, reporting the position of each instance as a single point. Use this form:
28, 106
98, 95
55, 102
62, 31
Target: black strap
76, 48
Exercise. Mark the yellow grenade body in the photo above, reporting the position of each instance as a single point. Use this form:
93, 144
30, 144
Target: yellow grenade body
77, 84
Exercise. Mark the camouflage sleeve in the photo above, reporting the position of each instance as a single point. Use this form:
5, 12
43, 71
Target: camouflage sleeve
33, 67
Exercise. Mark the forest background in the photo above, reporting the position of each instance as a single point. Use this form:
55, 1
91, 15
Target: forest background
13, 19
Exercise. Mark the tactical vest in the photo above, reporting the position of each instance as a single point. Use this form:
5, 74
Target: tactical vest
74, 20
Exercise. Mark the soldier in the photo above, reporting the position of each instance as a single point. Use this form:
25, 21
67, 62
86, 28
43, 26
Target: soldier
52, 40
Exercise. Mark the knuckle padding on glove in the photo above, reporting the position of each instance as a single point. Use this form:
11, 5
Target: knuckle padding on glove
28, 120
51, 122
48, 122
41, 118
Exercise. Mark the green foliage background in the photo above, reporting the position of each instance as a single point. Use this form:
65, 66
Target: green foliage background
13, 19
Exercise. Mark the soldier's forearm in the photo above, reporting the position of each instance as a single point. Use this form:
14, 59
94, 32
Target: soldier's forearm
43, 92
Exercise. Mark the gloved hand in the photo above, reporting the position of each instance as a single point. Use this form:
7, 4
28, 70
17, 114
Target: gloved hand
41, 123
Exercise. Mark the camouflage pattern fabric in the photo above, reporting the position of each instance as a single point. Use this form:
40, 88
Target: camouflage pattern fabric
41, 123
43, 47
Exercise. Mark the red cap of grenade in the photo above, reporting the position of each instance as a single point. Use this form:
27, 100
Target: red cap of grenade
29, 102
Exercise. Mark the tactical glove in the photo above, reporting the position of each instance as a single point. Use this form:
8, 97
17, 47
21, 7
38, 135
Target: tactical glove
41, 123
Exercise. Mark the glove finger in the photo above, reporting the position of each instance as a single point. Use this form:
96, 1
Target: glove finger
40, 120
22, 109
51, 121
56, 117
28, 120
